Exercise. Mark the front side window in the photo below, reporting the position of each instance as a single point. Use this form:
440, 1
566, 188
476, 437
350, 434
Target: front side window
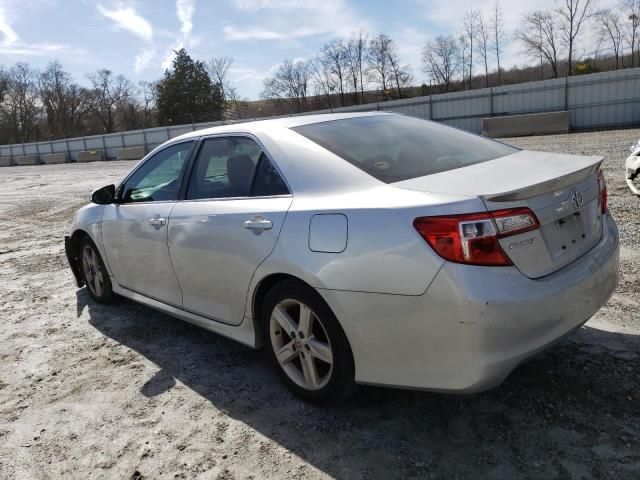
159, 177
227, 166
393, 148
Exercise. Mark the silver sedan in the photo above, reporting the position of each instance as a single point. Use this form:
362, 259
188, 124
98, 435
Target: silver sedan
358, 248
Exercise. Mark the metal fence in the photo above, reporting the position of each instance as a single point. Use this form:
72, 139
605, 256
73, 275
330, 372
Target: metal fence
599, 100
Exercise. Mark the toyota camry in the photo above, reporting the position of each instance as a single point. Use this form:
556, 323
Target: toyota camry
362, 248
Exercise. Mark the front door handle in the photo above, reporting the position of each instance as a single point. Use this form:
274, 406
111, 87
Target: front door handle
258, 223
157, 222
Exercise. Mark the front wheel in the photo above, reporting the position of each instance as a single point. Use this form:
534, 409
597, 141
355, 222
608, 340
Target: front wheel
96, 277
306, 344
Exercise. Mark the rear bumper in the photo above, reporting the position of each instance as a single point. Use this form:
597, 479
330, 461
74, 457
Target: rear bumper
473, 325
74, 261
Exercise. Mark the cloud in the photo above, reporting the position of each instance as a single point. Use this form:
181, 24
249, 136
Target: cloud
126, 18
19, 49
185, 10
11, 45
289, 20
9, 34
143, 59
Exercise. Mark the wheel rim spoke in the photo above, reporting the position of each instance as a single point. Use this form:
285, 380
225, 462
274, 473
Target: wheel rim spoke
309, 371
320, 350
86, 258
305, 324
97, 283
284, 320
286, 354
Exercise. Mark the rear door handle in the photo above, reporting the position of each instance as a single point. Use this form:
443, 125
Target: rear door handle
258, 223
157, 222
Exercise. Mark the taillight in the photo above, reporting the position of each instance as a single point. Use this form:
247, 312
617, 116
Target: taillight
602, 188
473, 238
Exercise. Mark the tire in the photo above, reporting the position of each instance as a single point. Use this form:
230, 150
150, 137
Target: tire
95, 275
314, 359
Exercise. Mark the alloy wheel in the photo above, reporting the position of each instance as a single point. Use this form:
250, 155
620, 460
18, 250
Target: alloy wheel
92, 270
301, 344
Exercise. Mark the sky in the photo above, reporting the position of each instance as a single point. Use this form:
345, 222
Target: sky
137, 38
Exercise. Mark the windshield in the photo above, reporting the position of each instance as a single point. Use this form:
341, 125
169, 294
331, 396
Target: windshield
393, 148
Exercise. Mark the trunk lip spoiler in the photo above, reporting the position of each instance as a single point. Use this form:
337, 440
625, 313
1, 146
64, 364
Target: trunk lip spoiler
546, 186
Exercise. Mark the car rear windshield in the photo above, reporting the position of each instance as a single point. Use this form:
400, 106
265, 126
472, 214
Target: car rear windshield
393, 148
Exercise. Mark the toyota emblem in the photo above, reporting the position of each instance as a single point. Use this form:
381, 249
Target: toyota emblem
576, 199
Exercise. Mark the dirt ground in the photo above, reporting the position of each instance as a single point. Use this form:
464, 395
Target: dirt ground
121, 391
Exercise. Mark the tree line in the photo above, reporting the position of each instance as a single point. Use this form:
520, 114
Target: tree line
363, 69
51, 104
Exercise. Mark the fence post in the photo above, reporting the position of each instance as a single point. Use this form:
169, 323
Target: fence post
66, 142
104, 146
566, 93
491, 101
11, 154
430, 107
37, 154
144, 139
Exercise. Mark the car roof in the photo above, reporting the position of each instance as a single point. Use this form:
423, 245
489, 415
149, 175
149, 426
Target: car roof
255, 126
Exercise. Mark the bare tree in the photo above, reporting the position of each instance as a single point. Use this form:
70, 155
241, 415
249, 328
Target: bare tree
540, 37
611, 29
334, 58
498, 37
65, 102
379, 69
463, 58
356, 53
109, 92
322, 78
484, 43
148, 93
290, 84
571, 17
631, 10
235, 101
21, 102
470, 33
218, 70
440, 59
400, 74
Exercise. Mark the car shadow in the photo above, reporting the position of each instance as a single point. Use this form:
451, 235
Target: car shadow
571, 412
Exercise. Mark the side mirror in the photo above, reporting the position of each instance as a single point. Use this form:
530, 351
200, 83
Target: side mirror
104, 195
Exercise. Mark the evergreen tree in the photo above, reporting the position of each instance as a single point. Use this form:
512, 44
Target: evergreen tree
186, 93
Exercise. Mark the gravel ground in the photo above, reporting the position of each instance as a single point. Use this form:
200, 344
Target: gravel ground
122, 391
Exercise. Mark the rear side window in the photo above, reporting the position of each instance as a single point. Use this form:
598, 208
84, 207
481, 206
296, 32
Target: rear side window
267, 181
233, 167
393, 148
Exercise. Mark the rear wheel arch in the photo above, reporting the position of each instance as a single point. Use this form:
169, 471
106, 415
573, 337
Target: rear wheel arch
260, 293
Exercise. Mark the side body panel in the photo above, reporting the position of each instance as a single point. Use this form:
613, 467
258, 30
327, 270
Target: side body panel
135, 243
384, 252
215, 255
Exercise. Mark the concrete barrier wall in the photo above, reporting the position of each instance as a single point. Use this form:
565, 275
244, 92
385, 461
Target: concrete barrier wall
131, 153
531, 124
27, 160
90, 156
55, 158
6, 161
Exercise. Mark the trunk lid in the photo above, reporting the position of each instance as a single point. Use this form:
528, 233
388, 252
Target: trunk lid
562, 191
